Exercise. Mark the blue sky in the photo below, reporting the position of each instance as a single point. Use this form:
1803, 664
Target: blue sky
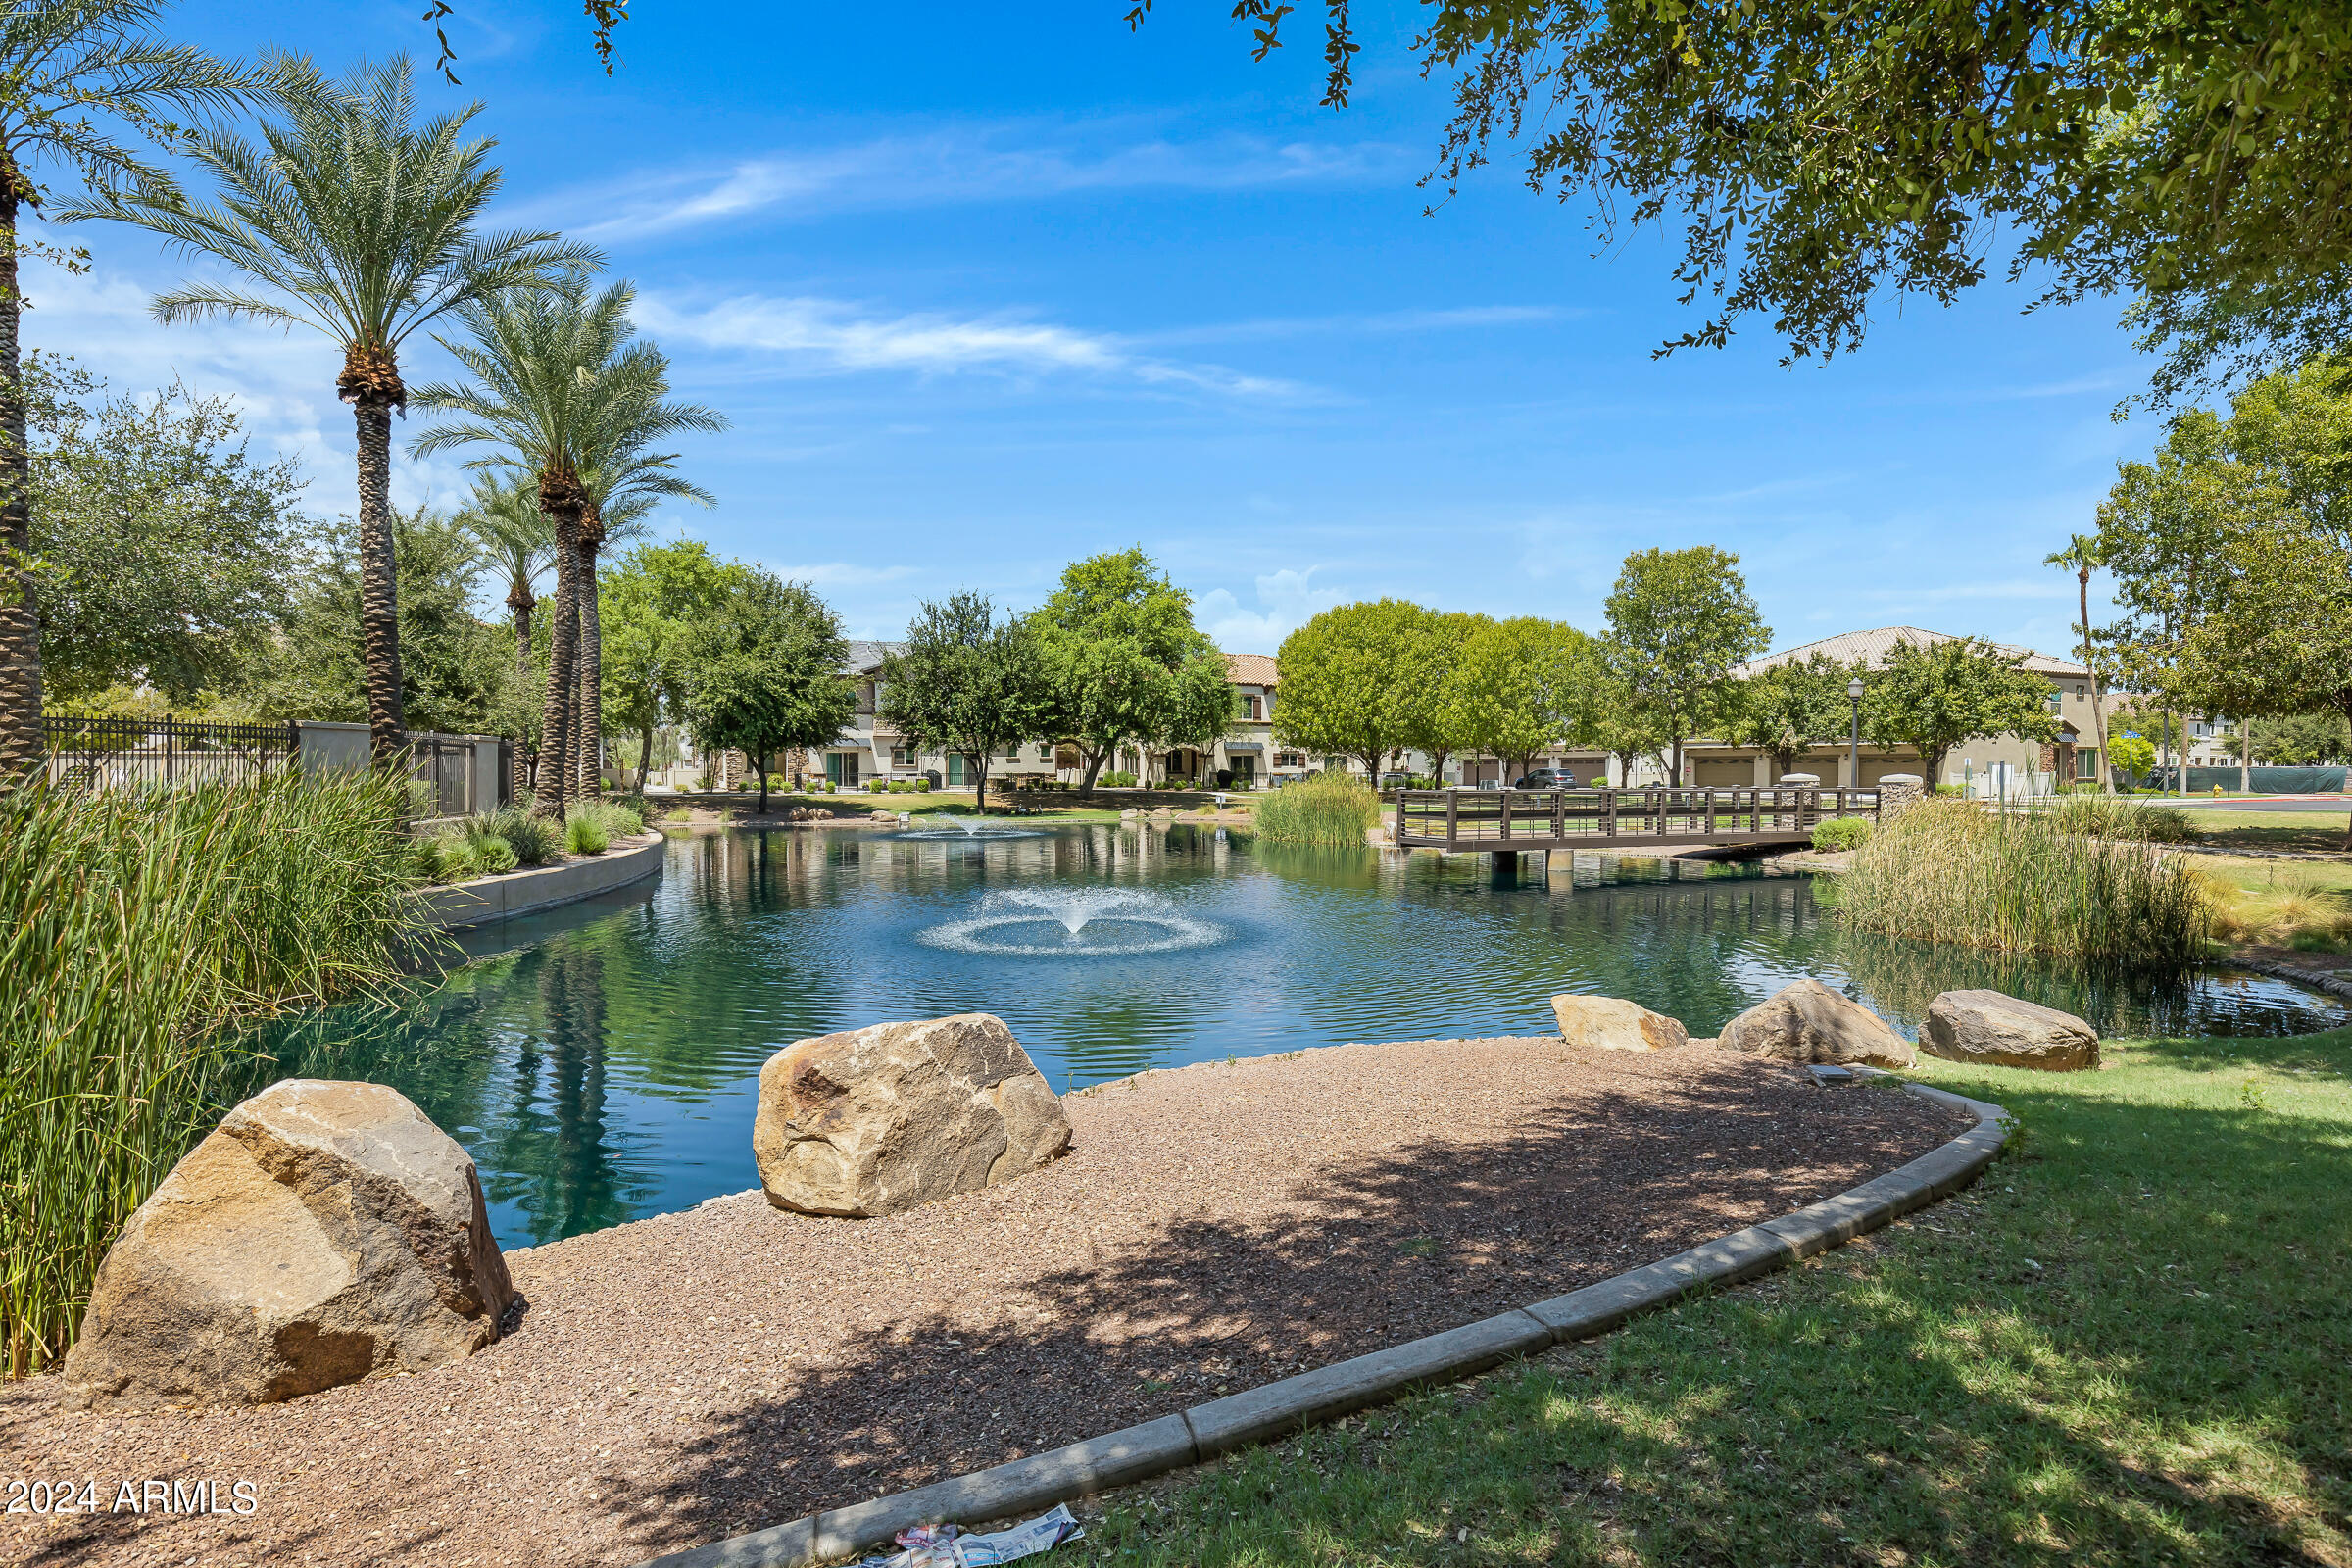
986, 290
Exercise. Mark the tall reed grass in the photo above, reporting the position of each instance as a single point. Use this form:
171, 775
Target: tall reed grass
2119, 816
135, 931
2024, 882
1328, 809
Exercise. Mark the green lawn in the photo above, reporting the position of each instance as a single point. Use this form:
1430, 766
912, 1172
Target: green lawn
2129, 1342
2271, 830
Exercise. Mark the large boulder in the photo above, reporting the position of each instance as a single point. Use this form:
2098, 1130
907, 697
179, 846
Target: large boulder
1986, 1026
1808, 1022
885, 1118
324, 1232
1610, 1023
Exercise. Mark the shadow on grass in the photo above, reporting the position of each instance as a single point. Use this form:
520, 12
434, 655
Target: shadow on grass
1391, 1248
2130, 1344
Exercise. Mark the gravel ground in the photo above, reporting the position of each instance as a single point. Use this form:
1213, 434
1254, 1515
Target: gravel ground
1215, 1227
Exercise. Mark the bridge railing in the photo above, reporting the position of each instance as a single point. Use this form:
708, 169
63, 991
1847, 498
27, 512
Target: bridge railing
1501, 819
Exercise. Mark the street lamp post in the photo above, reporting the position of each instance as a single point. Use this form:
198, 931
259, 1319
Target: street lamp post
1853, 756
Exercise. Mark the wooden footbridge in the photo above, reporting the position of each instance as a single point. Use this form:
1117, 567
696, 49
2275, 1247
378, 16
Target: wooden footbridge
1598, 820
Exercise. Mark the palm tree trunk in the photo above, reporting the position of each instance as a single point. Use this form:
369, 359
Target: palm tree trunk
523, 755
379, 608
554, 725
22, 742
588, 732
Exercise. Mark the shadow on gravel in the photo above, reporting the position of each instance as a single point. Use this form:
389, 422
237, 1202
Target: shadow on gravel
1391, 1248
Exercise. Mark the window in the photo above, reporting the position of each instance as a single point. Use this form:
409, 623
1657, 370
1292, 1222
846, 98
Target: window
956, 776
902, 756
2087, 761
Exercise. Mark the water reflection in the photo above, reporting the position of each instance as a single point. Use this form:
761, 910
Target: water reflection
601, 1061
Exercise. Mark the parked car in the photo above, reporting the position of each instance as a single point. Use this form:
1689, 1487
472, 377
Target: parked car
1545, 778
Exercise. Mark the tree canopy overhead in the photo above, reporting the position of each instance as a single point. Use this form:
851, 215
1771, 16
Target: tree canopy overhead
2189, 154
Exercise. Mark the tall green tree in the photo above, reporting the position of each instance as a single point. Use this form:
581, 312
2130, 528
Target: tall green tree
2188, 156
1352, 678
84, 84
620, 484
1791, 708
653, 597
763, 672
550, 369
971, 682
1935, 696
1679, 621
455, 674
1117, 638
360, 223
166, 553
1430, 721
1522, 685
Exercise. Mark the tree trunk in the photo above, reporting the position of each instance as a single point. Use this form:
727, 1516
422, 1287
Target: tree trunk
555, 728
979, 761
2245, 756
2098, 702
588, 732
1094, 767
22, 740
524, 753
762, 761
379, 608
644, 758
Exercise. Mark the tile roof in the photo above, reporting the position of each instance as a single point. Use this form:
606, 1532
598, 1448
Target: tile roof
866, 654
1252, 669
1870, 648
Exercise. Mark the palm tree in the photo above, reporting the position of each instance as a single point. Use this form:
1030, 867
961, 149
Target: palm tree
361, 226
63, 63
2083, 556
503, 516
621, 485
549, 366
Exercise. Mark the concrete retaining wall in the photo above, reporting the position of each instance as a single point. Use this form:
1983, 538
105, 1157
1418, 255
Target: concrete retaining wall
543, 887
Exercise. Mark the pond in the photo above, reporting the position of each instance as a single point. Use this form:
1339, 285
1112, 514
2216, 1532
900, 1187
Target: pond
601, 1062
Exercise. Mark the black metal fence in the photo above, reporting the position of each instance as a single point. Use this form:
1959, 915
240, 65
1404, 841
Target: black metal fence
136, 753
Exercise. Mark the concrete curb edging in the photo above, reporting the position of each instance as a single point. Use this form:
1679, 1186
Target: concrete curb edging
1276, 1409
490, 898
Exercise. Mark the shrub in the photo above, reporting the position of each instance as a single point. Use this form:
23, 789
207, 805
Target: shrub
492, 855
2113, 816
584, 834
1840, 833
531, 838
444, 858
2018, 881
705, 781
1328, 808
1115, 781
922, 786
134, 930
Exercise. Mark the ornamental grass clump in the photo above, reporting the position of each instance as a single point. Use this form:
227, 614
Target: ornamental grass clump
2119, 816
135, 931
2021, 882
1328, 809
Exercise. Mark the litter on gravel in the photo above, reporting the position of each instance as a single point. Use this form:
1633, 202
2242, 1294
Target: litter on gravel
947, 1547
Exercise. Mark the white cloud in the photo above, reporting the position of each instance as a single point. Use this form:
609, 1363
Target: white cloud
839, 573
282, 384
1286, 600
822, 336
1016, 161
1461, 318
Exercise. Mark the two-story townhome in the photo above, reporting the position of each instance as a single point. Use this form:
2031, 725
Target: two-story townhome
2074, 754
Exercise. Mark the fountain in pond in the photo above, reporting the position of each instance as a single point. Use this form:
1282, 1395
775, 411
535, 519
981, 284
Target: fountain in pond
1074, 922
961, 829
